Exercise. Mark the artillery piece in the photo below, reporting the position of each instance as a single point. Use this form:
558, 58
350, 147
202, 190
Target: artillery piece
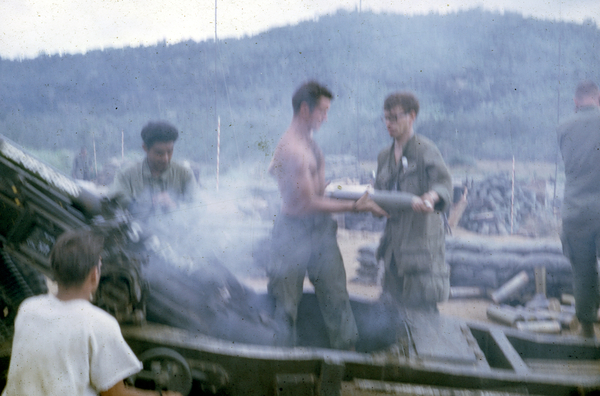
209, 334
38, 203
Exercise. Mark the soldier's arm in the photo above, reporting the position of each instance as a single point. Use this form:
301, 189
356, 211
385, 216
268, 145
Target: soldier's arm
439, 181
309, 196
121, 390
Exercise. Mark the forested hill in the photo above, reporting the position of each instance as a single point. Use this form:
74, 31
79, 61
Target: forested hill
488, 83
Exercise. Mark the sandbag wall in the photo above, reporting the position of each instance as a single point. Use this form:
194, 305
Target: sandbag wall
369, 271
490, 264
491, 206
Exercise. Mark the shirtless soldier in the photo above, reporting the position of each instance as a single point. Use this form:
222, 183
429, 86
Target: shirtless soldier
304, 234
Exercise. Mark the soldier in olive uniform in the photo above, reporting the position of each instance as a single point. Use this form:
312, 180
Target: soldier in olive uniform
412, 247
156, 182
579, 141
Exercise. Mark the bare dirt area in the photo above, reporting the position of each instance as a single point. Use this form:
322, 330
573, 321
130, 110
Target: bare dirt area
350, 241
467, 309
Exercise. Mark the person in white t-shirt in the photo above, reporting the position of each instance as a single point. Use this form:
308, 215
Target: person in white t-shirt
64, 345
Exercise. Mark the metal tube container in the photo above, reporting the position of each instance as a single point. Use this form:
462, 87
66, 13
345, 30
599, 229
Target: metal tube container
510, 287
466, 292
504, 314
541, 326
388, 200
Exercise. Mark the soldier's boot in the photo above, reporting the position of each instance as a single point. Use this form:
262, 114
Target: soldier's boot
587, 330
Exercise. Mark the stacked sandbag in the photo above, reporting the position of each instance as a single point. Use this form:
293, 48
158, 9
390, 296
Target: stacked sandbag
490, 264
538, 315
369, 270
489, 206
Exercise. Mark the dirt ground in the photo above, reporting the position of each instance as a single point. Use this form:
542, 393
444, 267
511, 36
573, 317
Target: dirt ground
350, 241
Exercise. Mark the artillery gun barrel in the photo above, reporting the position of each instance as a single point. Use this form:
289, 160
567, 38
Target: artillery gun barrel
388, 200
34, 175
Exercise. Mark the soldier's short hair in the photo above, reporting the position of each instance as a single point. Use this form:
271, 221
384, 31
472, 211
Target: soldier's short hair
310, 92
158, 131
407, 100
74, 254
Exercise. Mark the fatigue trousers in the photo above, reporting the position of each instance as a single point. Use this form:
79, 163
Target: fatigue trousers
581, 243
418, 290
308, 244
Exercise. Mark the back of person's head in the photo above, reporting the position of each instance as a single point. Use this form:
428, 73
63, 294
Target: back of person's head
587, 90
158, 131
309, 92
74, 255
407, 100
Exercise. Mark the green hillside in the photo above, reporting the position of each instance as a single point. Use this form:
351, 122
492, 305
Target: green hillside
489, 86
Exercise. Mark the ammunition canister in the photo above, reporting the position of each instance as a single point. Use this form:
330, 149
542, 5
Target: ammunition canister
465, 292
503, 314
510, 287
388, 200
540, 326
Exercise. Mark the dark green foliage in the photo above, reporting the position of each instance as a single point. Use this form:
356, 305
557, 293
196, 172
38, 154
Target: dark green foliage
488, 85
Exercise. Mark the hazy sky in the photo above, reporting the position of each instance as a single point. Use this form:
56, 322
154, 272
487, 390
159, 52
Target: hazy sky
68, 26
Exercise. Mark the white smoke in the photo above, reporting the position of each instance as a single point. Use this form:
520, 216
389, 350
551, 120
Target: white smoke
230, 225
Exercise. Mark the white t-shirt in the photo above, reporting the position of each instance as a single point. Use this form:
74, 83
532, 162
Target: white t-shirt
66, 348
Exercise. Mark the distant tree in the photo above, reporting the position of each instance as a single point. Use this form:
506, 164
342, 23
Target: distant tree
488, 83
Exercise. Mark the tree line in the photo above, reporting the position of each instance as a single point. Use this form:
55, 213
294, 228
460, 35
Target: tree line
491, 86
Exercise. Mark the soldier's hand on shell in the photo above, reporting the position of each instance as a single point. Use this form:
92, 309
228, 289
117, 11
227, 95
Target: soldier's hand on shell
425, 203
366, 204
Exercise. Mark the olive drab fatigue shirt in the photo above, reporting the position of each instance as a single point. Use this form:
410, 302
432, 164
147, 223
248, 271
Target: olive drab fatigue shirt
416, 240
579, 142
131, 182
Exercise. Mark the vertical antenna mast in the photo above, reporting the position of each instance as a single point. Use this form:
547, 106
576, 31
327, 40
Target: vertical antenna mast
557, 109
216, 114
358, 99
95, 158
218, 148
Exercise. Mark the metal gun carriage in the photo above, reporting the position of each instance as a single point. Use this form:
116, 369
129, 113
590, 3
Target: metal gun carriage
211, 344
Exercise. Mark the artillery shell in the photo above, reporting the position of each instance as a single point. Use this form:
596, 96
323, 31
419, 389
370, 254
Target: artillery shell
465, 292
541, 326
567, 321
510, 287
388, 200
503, 314
567, 299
